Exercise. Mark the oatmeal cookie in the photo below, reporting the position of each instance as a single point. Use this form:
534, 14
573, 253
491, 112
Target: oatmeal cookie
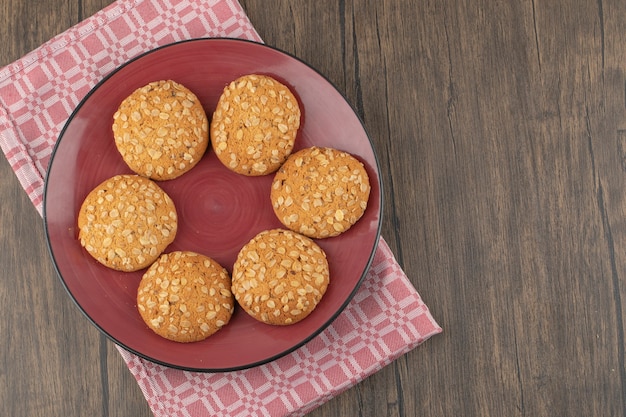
161, 130
126, 222
255, 124
320, 192
185, 297
280, 276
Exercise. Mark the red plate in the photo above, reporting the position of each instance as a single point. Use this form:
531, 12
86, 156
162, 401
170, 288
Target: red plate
219, 211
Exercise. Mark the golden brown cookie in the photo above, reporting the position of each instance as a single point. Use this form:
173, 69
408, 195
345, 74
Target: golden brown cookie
254, 125
126, 222
280, 276
320, 192
161, 130
185, 297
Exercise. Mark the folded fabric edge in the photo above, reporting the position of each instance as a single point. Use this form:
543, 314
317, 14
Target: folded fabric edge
150, 392
139, 372
70, 35
147, 374
22, 165
307, 408
149, 388
433, 329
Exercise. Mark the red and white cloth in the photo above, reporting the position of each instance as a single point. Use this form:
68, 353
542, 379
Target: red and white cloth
385, 319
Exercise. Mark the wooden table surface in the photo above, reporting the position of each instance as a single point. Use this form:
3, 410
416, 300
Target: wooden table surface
501, 132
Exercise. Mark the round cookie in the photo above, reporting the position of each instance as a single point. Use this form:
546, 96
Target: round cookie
126, 222
254, 125
161, 130
185, 297
320, 192
280, 276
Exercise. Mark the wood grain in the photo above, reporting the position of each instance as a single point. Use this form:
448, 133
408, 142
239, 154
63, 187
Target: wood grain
501, 133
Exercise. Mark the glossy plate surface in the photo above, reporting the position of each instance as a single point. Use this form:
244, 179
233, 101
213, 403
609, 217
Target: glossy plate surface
219, 211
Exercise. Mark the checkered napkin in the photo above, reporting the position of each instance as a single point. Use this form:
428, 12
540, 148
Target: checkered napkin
384, 320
